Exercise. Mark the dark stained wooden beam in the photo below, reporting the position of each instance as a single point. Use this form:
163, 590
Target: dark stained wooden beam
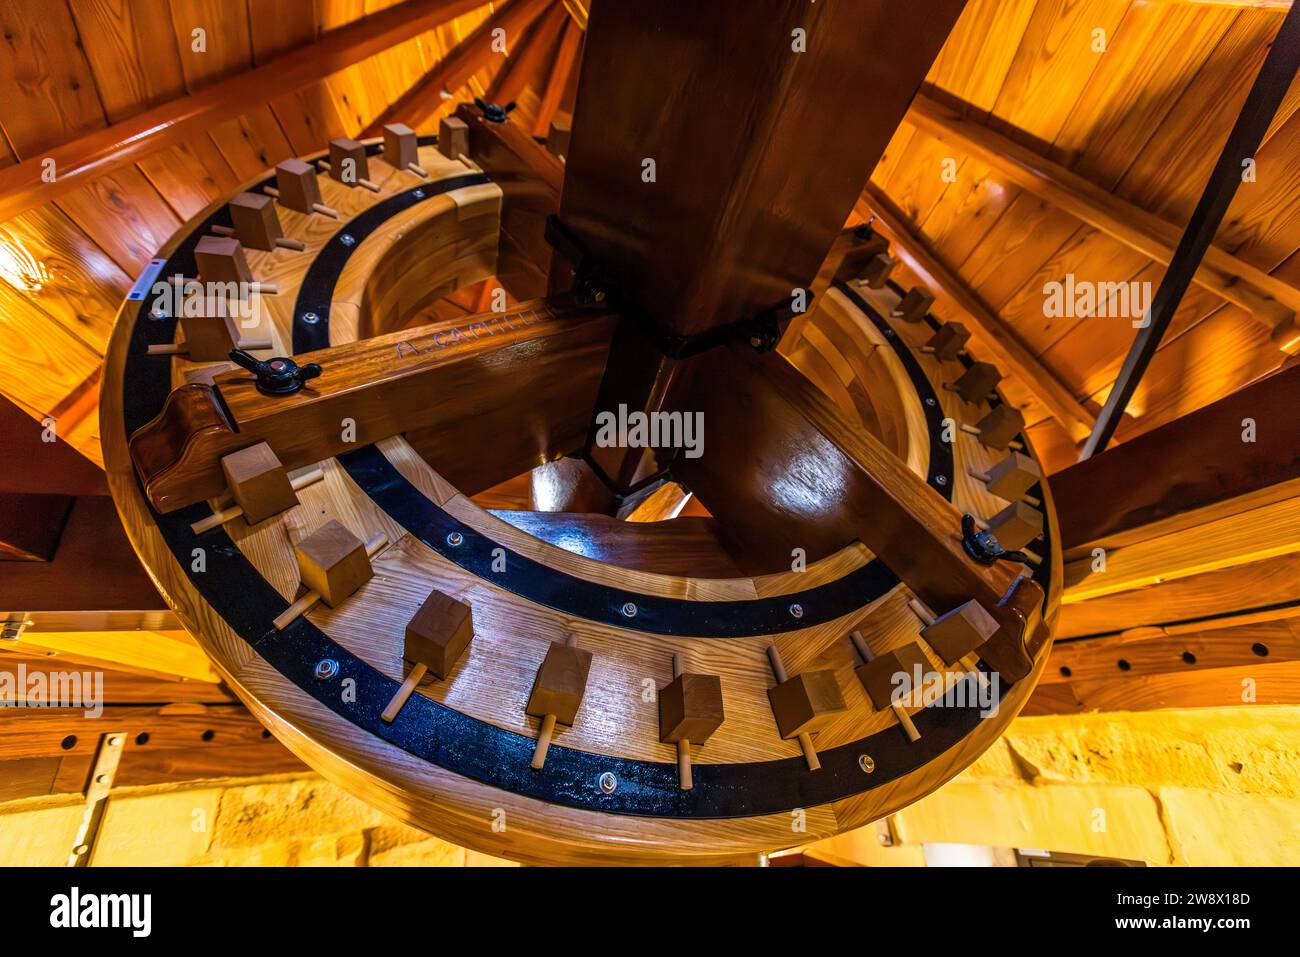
101, 151
418, 105
527, 378
759, 152
530, 178
783, 469
1190, 463
1266, 94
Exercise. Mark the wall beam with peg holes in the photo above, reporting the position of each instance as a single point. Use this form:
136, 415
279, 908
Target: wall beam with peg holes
557, 692
690, 710
803, 704
332, 564
889, 677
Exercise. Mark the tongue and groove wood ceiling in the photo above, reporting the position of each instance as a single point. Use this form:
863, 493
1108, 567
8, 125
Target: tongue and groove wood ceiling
1144, 121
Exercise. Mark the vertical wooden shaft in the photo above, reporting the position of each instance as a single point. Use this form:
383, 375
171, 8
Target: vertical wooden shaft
404, 692
543, 742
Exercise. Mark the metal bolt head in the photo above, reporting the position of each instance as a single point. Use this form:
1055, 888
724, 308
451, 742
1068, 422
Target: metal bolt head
115, 740
455, 538
929, 400
81, 849
310, 318
326, 668
608, 783
796, 611
347, 239
866, 763
418, 193
101, 778
629, 610
941, 480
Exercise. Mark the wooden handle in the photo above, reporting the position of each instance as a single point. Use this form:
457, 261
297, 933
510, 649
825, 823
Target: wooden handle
374, 543
861, 645
926, 615
398, 700
324, 210
164, 349
684, 779
905, 720
778, 666
272, 192
223, 231
543, 742
299, 607
417, 170
286, 242
809, 752
972, 665
249, 345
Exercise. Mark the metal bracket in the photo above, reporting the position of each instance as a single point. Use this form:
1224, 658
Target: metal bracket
101, 782
14, 625
593, 284
983, 546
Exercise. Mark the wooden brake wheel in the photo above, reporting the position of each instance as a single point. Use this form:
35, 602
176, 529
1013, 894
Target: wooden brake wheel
517, 697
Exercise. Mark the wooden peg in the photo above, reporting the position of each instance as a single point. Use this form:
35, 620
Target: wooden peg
296, 188
557, 692
399, 699
349, 164
876, 272
557, 139
914, 305
402, 149
308, 599
453, 137
1011, 477
803, 704
879, 676
256, 223
439, 632
999, 428
1017, 525
690, 710
976, 383
233, 512
948, 341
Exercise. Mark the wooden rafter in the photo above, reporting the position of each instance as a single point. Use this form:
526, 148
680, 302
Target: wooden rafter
566, 61
528, 58
421, 102
1269, 299
1007, 350
24, 185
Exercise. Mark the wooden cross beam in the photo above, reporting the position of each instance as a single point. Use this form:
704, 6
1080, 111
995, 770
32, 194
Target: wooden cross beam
461, 380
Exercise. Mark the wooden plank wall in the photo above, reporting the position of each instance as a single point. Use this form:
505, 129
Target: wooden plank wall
77, 65
1145, 119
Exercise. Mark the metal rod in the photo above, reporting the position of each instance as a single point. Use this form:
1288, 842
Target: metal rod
1243, 143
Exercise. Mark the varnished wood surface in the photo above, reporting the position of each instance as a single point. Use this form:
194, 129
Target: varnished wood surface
491, 682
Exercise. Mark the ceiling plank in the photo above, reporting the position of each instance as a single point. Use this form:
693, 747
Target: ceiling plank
1010, 354
1271, 300
80, 160
524, 65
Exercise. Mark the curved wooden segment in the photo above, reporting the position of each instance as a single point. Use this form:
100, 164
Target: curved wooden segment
460, 379
823, 481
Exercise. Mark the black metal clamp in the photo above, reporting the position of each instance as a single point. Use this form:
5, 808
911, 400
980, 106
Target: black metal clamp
983, 546
493, 112
278, 376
